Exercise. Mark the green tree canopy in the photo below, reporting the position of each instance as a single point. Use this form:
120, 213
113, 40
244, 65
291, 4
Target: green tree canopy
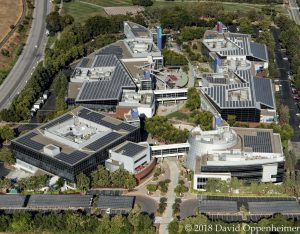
193, 99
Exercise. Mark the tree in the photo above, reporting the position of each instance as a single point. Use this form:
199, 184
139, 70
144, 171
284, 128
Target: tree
5, 184
173, 58
83, 182
60, 182
130, 182
151, 188
21, 222
202, 118
32, 183
180, 189
6, 156
6, 133
284, 114
101, 177
193, 99
53, 21
142, 2
231, 119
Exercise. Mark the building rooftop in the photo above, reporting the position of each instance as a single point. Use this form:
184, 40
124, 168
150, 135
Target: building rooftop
243, 91
129, 148
137, 30
75, 135
234, 44
104, 79
115, 202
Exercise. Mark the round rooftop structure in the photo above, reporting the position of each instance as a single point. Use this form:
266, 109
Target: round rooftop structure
204, 142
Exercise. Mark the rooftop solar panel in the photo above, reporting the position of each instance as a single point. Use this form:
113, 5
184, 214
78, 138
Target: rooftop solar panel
27, 141
127, 127
60, 201
218, 206
107, 89
115, 202
112, 49
130, 149
57, 121
273, 207
107, 139
260, 143
12, 201
72, 158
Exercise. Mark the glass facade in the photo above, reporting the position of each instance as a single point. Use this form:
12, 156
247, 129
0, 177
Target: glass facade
64, 170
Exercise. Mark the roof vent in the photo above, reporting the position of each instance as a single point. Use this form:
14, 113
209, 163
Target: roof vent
51, 150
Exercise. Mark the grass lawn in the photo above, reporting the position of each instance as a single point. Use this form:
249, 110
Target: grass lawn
110, 3
178, 115
81, 11
228, 6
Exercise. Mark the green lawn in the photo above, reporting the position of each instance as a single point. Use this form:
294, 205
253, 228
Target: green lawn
110, 3
82, 11
178, 115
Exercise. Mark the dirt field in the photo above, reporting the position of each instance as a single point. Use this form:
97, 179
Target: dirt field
10, 12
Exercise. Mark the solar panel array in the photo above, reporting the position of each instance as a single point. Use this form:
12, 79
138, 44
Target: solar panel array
12, 201
260, 143
264, 91
112, 49
260, 92
273, 207
84, 62
259, 51
107, 89
107, 139
98, 118
90, 115
130, 149
57, 121
72, 158
27, 141
60, 201
226, 218
115, 202
126, 127
248, 199
212, 206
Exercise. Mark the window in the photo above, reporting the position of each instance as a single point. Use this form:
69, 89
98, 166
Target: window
140, 159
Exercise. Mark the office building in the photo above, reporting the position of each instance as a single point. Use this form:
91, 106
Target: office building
226, 152
75, 142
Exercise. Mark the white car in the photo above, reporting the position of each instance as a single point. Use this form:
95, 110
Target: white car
298, 114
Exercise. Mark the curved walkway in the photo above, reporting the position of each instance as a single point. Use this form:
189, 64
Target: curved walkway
6, 38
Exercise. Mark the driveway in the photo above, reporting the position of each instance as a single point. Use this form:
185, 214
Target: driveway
147, 204
188, 208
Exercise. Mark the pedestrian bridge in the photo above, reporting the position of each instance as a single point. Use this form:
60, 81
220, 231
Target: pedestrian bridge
170, 95
161, 151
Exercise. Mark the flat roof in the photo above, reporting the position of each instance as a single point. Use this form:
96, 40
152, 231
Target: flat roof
138, 30
115, 202
12, 201
129, 148
59, 201
235, 44
258, 140
114, 130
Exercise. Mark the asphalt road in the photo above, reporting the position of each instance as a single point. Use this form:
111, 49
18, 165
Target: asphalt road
286, 91
148, 205
32, 54
188, 208
295, 11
